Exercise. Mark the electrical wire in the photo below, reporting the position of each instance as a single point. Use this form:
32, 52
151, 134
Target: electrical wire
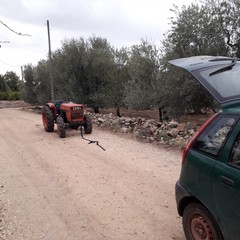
18, 33
9, 64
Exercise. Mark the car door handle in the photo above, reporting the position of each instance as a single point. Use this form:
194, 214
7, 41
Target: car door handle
227, 181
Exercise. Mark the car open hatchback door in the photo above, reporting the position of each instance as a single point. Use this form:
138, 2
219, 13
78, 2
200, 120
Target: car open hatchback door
220, 76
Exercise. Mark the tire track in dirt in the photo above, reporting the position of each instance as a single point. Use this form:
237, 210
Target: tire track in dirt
67, 189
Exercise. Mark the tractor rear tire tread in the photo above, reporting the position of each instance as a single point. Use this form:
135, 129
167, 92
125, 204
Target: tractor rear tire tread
48, 119
61, 127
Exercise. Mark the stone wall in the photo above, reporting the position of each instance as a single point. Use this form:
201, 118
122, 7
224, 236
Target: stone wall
171, 133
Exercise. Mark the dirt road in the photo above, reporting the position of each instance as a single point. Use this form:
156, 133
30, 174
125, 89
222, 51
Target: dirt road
67, 189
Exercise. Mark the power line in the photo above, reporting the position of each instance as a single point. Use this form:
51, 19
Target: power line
18, 33
9, 64
3, 42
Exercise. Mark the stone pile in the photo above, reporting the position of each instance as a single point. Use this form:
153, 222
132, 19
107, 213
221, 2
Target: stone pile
13, 104
171, 133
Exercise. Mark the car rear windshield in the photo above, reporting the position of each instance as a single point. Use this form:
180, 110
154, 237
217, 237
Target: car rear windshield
224, 83
212, 139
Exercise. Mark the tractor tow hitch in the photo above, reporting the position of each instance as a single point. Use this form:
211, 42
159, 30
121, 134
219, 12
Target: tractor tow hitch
91, 141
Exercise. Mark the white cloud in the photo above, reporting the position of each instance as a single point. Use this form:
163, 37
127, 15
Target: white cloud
121, 22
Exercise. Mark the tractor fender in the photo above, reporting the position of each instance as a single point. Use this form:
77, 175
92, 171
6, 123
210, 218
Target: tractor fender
53, 109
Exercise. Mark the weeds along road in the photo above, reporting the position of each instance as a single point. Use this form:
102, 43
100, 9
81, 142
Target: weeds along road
67, 189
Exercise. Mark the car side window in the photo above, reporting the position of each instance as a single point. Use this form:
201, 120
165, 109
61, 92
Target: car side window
213, 137
235, 155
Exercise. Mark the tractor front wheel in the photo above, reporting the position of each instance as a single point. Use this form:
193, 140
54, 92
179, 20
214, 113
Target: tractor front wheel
87, 124
61, 127
48, 119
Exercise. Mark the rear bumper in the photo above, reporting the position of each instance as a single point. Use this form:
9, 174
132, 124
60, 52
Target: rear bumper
181, 195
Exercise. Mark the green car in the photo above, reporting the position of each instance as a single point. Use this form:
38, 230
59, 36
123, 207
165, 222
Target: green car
208, 190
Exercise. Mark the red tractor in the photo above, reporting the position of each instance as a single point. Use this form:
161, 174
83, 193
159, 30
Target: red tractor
65, 115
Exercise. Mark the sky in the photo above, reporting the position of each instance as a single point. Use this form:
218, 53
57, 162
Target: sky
122, 22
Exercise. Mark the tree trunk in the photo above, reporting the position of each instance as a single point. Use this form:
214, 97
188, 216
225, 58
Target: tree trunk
160, 114
163, 114
96, 109
118, 112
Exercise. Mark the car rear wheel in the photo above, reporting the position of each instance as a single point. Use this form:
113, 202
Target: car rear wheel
198, 223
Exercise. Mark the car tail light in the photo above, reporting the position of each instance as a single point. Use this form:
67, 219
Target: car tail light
196, 135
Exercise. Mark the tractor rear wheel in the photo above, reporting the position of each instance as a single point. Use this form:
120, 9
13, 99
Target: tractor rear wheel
61, 127
87, 124
48, 119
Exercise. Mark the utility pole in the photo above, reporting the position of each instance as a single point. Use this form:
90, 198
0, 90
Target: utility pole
22, 73
50, 62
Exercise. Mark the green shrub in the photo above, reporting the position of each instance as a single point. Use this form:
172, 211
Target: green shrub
3, 95
116, 125
13, 95
163, 136
10, 95
144, 132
